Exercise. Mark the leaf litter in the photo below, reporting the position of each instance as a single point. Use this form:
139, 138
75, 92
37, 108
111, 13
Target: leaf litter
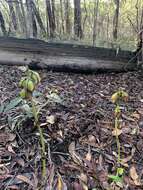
77, 117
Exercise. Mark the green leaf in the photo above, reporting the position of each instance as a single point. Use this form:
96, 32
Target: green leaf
120, 171
13, 103
115, 178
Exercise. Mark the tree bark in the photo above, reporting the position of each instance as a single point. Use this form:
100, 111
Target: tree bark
96, 6
31, 21
24, 18
2, 24
63, 64
50, 9
64, 57
85, 17
116, 20
19, 16
62, 16
77, 19
12, 14
38, 17
67, 16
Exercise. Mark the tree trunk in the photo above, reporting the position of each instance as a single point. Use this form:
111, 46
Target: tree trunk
2, 24
116, 20
24, 18
20, 20
50, 9
63, 64
38, 17
62, 16
31, 22
85, 17
77, 19
67, 16
12, 14
96, 6
141, 28
29, 19
107, 30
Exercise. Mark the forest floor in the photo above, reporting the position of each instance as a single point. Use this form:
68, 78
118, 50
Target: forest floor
78, 128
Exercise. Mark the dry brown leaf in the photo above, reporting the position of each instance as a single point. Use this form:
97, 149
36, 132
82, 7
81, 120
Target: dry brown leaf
134, 176
136, 115
127, 118
60, 133
140, 111
83, 178
84, 186
116, 132
88, 156
10, 149
51, 176
91, 139
6, 137
128, 158
14, 187
50, 119
74, 155
60, 183
24, 179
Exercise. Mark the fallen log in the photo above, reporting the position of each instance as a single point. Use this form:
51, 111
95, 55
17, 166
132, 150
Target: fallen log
63, 63
38, 54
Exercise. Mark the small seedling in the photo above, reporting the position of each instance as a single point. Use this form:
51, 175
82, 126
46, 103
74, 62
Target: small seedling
28, 84
119, 96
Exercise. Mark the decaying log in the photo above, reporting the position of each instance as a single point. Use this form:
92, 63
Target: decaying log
64, 57
62, 63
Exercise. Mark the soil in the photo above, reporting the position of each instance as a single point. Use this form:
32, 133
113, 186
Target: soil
81, 148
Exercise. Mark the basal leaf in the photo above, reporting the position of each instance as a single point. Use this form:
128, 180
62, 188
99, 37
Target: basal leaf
13, 103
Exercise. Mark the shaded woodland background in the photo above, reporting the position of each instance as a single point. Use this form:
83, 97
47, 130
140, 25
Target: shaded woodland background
105, 23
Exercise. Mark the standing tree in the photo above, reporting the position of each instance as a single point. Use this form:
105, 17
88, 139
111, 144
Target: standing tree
50, 10
62, 16
2, 24
116, 20
31, 23
77, 19
23, 18
12, 15
19, 18
96, 9
67, 16
38, 18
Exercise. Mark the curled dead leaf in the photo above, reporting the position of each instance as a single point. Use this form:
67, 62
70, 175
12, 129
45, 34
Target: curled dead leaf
50, 119
88, 156
60, 183
117, 132
134, 176
83, 178
7, 137
76, 158
91, 139
24, 179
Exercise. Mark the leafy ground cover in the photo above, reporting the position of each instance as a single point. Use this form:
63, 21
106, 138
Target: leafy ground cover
77, 118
